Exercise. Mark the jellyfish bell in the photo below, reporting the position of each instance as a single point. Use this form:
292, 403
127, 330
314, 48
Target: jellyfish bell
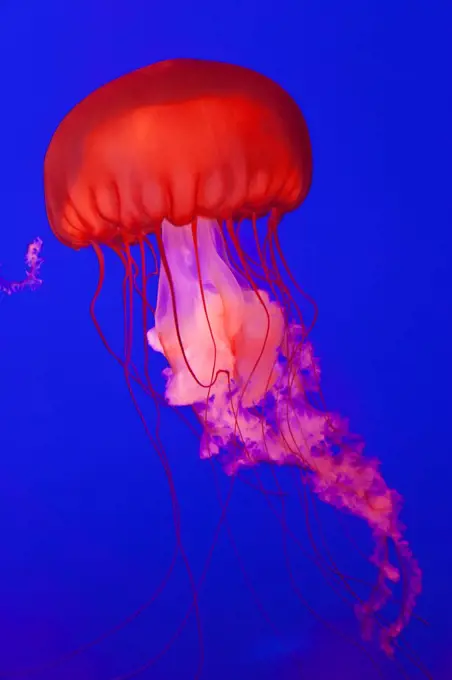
180, 154
175, 141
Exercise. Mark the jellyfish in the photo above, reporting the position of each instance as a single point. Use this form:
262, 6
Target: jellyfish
31, 280
183, 161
